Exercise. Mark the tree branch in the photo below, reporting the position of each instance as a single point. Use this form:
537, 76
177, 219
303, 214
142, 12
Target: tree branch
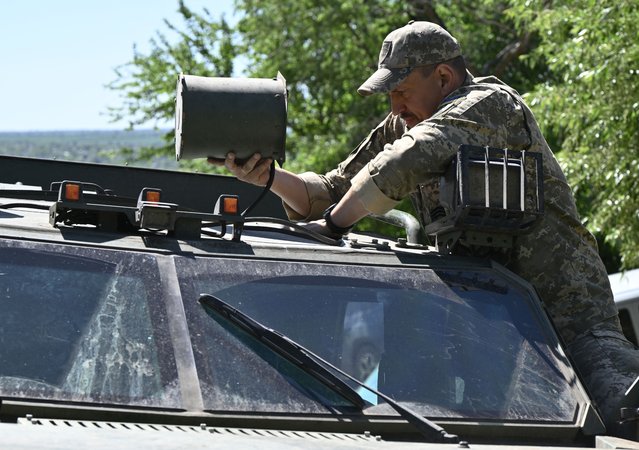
507, 55
424, 10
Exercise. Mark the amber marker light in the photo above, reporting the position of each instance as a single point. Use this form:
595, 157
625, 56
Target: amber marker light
152, 196
72, 192
230, 205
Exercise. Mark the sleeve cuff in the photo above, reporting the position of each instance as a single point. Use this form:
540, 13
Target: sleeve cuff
318, 197
372, 198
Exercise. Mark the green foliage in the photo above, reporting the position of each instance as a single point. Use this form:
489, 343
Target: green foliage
325, 50
148, 82
593, 105
492, 42
575, 61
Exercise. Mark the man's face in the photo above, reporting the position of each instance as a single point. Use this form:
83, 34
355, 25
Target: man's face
417, 97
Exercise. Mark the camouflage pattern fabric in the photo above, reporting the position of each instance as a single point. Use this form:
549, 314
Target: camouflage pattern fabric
559, 257
611, 367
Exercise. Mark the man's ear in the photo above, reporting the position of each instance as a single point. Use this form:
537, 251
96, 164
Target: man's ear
447, 78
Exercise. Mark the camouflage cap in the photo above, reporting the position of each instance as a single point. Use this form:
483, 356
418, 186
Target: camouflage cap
413, 45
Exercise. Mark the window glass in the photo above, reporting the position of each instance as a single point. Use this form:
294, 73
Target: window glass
465, 344
76, 325
237, 372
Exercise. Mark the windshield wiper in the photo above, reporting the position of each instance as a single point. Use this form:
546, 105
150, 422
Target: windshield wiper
318, 367
284, 346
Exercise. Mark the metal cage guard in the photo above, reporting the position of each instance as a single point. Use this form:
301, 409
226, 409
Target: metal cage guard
489, 195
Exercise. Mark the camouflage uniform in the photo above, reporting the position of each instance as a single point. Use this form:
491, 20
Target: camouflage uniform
559, 257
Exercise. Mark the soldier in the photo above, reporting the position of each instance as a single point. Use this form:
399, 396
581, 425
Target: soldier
436, 106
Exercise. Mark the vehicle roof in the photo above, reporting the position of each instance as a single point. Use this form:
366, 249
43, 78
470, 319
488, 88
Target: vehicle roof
190, 190
199, 193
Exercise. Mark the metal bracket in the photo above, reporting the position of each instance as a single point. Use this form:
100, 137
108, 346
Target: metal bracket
487, 197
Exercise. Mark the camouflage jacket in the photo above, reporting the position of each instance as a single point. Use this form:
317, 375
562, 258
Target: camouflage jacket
559, 257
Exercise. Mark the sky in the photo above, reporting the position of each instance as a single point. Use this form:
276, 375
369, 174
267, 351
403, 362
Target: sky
56, 56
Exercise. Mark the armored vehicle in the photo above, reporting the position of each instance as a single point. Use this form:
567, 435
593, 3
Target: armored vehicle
154, 309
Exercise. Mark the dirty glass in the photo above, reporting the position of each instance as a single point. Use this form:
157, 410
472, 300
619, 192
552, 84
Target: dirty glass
75, 324
451, 344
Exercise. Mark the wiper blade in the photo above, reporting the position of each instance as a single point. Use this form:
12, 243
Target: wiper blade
318, 367
284, 346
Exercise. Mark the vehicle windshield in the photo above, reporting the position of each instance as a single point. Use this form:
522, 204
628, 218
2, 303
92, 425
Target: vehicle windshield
86, 327
449, 343
90, 325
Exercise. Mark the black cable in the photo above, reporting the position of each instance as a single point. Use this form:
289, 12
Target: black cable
299, 229
264, 191
23, 205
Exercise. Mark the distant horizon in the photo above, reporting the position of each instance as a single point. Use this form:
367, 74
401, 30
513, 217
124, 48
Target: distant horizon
85, 130
98, 146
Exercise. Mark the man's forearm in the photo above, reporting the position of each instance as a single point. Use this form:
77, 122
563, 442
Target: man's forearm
363, 198
292, 190
349, 210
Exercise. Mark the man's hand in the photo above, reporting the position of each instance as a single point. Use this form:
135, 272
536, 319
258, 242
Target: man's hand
339, 218
254, 170
287, 185
319, 227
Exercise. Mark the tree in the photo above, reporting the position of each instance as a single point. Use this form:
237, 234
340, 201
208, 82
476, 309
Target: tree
147, 83
590, 109
551, 51
325, 50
